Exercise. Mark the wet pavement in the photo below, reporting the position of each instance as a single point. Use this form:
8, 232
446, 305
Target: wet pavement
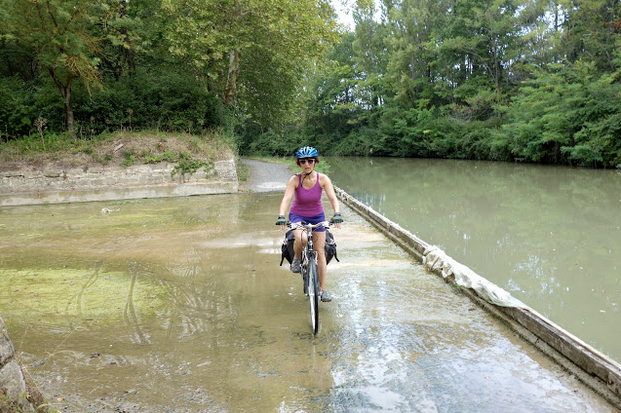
179, 305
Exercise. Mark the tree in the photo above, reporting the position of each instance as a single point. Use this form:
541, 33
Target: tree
254, 53
133, 30
332, 109
568, 115
58, 33
487, 36
591, 31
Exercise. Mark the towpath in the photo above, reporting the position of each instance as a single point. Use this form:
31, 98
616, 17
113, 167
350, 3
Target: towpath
489, 355
265, 177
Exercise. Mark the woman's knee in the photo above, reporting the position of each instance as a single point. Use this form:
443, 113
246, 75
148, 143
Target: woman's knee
321, 255
300, 238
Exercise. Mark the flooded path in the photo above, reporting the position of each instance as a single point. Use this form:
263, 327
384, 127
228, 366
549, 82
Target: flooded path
178, 305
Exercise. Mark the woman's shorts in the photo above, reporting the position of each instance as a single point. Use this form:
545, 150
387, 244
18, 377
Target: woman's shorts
309, 220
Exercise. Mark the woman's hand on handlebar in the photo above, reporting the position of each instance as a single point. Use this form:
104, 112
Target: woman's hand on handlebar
282, 222
337, 219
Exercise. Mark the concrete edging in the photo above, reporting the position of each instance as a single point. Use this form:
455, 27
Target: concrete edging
594, 369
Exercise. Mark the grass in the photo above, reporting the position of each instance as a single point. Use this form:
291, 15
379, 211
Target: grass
118, 148
243, 172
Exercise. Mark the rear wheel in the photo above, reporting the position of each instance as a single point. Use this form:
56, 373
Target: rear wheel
313, 294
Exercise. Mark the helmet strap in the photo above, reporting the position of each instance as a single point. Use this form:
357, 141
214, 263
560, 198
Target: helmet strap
304, 177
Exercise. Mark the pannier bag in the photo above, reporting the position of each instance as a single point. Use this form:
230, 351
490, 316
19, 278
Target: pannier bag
287, 247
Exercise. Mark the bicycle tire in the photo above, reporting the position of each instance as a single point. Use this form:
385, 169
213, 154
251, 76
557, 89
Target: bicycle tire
304, 272
313, 294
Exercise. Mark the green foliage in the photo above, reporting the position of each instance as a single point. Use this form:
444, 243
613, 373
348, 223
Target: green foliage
17, 109
167, 100
53, 143
168, 156
12, 405
471, 80
364, 141
160, 64
104, 160
497, 79
129, 158
271, 142
189, 165
254, 53
58, 33
567, 116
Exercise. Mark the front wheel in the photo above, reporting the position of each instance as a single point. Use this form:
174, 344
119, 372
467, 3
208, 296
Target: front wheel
313, 294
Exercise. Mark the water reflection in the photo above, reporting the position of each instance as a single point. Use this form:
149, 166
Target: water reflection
158, 305
179, 305
549, 235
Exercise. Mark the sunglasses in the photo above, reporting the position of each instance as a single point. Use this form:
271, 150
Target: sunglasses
310, 161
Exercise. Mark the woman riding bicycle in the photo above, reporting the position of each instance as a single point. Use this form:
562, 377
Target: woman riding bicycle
307, 187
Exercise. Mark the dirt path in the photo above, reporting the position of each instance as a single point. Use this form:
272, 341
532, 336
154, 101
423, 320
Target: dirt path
265, 177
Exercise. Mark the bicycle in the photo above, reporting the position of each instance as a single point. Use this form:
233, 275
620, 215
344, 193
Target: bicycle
308, 269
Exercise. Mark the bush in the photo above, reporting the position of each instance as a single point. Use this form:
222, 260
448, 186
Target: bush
17, 111
170, 101
269, 143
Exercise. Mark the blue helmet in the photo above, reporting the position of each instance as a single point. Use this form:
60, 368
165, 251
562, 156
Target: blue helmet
307, 152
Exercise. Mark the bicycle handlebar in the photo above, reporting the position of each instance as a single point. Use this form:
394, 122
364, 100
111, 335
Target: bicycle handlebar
323, 224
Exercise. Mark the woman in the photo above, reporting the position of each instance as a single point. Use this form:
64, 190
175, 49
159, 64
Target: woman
307, 186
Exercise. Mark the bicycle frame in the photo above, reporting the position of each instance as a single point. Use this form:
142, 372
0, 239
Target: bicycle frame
308, 268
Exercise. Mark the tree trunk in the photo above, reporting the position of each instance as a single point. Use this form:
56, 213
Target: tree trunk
65, 91
131, 61
69, 110
231, 81
129, 51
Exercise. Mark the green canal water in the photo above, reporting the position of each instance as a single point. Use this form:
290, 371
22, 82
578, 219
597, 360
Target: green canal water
551, 236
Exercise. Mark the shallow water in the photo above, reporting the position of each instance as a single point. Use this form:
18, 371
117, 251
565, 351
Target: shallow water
551, 236
178, 305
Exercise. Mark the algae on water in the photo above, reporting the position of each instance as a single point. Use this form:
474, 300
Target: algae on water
77, 295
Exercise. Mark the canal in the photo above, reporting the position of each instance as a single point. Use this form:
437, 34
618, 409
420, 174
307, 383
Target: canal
551, 236
179, 305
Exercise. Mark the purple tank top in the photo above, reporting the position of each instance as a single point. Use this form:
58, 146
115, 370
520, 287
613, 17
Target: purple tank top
307, 202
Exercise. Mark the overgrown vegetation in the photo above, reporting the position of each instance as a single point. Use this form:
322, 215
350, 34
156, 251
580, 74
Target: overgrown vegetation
188, 165
99, 67
507, 80
188, 152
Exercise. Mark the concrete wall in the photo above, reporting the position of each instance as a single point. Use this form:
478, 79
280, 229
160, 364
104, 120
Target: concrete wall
103, 183
596, 370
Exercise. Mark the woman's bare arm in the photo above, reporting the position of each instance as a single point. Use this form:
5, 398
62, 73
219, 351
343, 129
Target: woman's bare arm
289, 191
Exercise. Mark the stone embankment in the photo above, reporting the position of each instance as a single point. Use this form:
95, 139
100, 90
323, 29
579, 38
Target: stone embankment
109, 183
12, 381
